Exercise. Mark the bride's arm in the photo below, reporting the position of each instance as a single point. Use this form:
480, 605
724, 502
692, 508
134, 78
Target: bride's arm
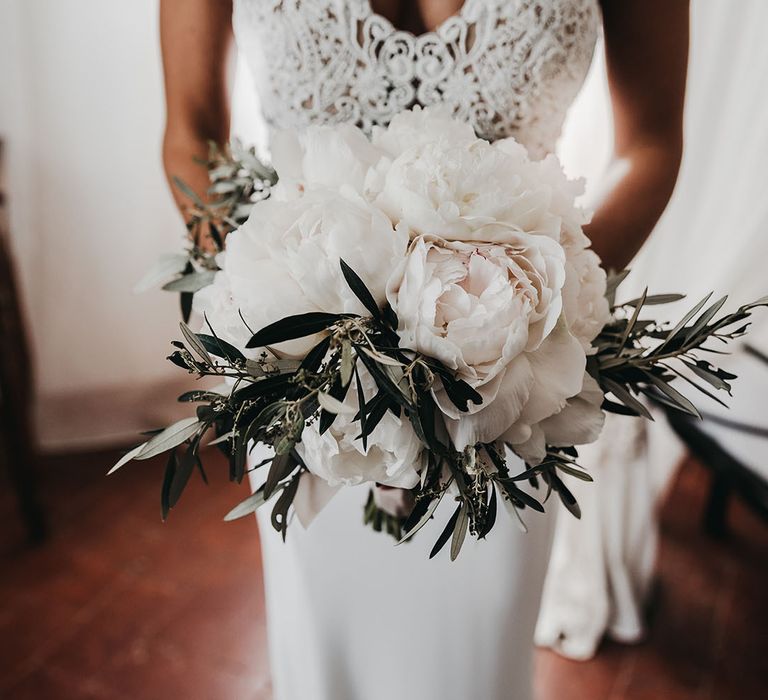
646, 45
197, 45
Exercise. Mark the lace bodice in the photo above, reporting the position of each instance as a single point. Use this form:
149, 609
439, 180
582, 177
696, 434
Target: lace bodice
508, 67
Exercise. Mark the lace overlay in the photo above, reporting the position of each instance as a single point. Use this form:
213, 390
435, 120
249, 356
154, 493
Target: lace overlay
508, 67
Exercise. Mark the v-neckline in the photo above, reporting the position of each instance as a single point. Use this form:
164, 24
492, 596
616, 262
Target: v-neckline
459, 14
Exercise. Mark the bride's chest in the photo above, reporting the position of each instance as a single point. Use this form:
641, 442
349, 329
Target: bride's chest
501, 64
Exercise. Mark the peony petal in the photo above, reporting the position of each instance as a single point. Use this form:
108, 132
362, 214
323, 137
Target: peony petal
558, 370
582, 419
533, 450
493, 419
312, 495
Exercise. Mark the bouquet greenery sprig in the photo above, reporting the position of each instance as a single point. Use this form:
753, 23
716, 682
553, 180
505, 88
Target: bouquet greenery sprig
238, 180
272, 400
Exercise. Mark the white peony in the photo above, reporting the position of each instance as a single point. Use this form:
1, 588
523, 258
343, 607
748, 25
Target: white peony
285, 260
392, 456
498, 283
455, 189
417, 127
321, 156
492, 313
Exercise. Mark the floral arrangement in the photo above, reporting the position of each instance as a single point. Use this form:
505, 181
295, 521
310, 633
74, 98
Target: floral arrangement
418, 310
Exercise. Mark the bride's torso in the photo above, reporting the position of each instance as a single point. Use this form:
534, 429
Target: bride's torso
508, 67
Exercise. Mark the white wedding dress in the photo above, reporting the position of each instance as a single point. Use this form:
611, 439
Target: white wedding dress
350, 616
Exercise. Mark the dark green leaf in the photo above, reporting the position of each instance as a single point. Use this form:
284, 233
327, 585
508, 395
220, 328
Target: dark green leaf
445, 535
184, 469
458, 391
681, 402
382, 379
178, 360
292, 327
655, 299
714, 376
220, 348
632, 321
614, 280
426, 512
623, 395
517, 494
165, 491
679, 326
567, 498
490, 516
282, 465
283, 503
359, 289
198, 395
362, 410
315, 356
705, 318
273, 384
618, 409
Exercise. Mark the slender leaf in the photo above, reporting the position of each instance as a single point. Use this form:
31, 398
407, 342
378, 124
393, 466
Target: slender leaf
191, 282
188, 192
680, 324
194, 343
166, 266
632, 321
682, 402
424, 518
292, 327
445, 535
248, 506
221, 348
360, 290
316, 355
127, 457
705, 318
625, 397
165, 491
490, 516
654, 299
169, 438
183, 472
347, 362
459, 532
282, 466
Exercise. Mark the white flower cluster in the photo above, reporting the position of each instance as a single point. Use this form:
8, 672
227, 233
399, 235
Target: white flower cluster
478, 250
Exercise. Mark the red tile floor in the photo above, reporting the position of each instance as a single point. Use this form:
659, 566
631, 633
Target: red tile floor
117, 605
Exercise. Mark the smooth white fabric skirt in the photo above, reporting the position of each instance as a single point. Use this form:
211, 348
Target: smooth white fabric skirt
352, 617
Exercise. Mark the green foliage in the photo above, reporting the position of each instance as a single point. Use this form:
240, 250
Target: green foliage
238, 179
272, 399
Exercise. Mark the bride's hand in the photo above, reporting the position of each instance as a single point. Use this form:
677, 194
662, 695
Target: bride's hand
203, 240
393, 501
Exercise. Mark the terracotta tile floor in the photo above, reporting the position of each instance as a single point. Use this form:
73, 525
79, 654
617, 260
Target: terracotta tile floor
117, 605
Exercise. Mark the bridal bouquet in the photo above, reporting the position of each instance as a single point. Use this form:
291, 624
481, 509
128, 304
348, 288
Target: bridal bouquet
420, 310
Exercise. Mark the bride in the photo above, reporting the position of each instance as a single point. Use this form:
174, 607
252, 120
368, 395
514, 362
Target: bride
349, 616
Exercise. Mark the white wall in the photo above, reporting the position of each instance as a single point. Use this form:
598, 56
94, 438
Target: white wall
82, 111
